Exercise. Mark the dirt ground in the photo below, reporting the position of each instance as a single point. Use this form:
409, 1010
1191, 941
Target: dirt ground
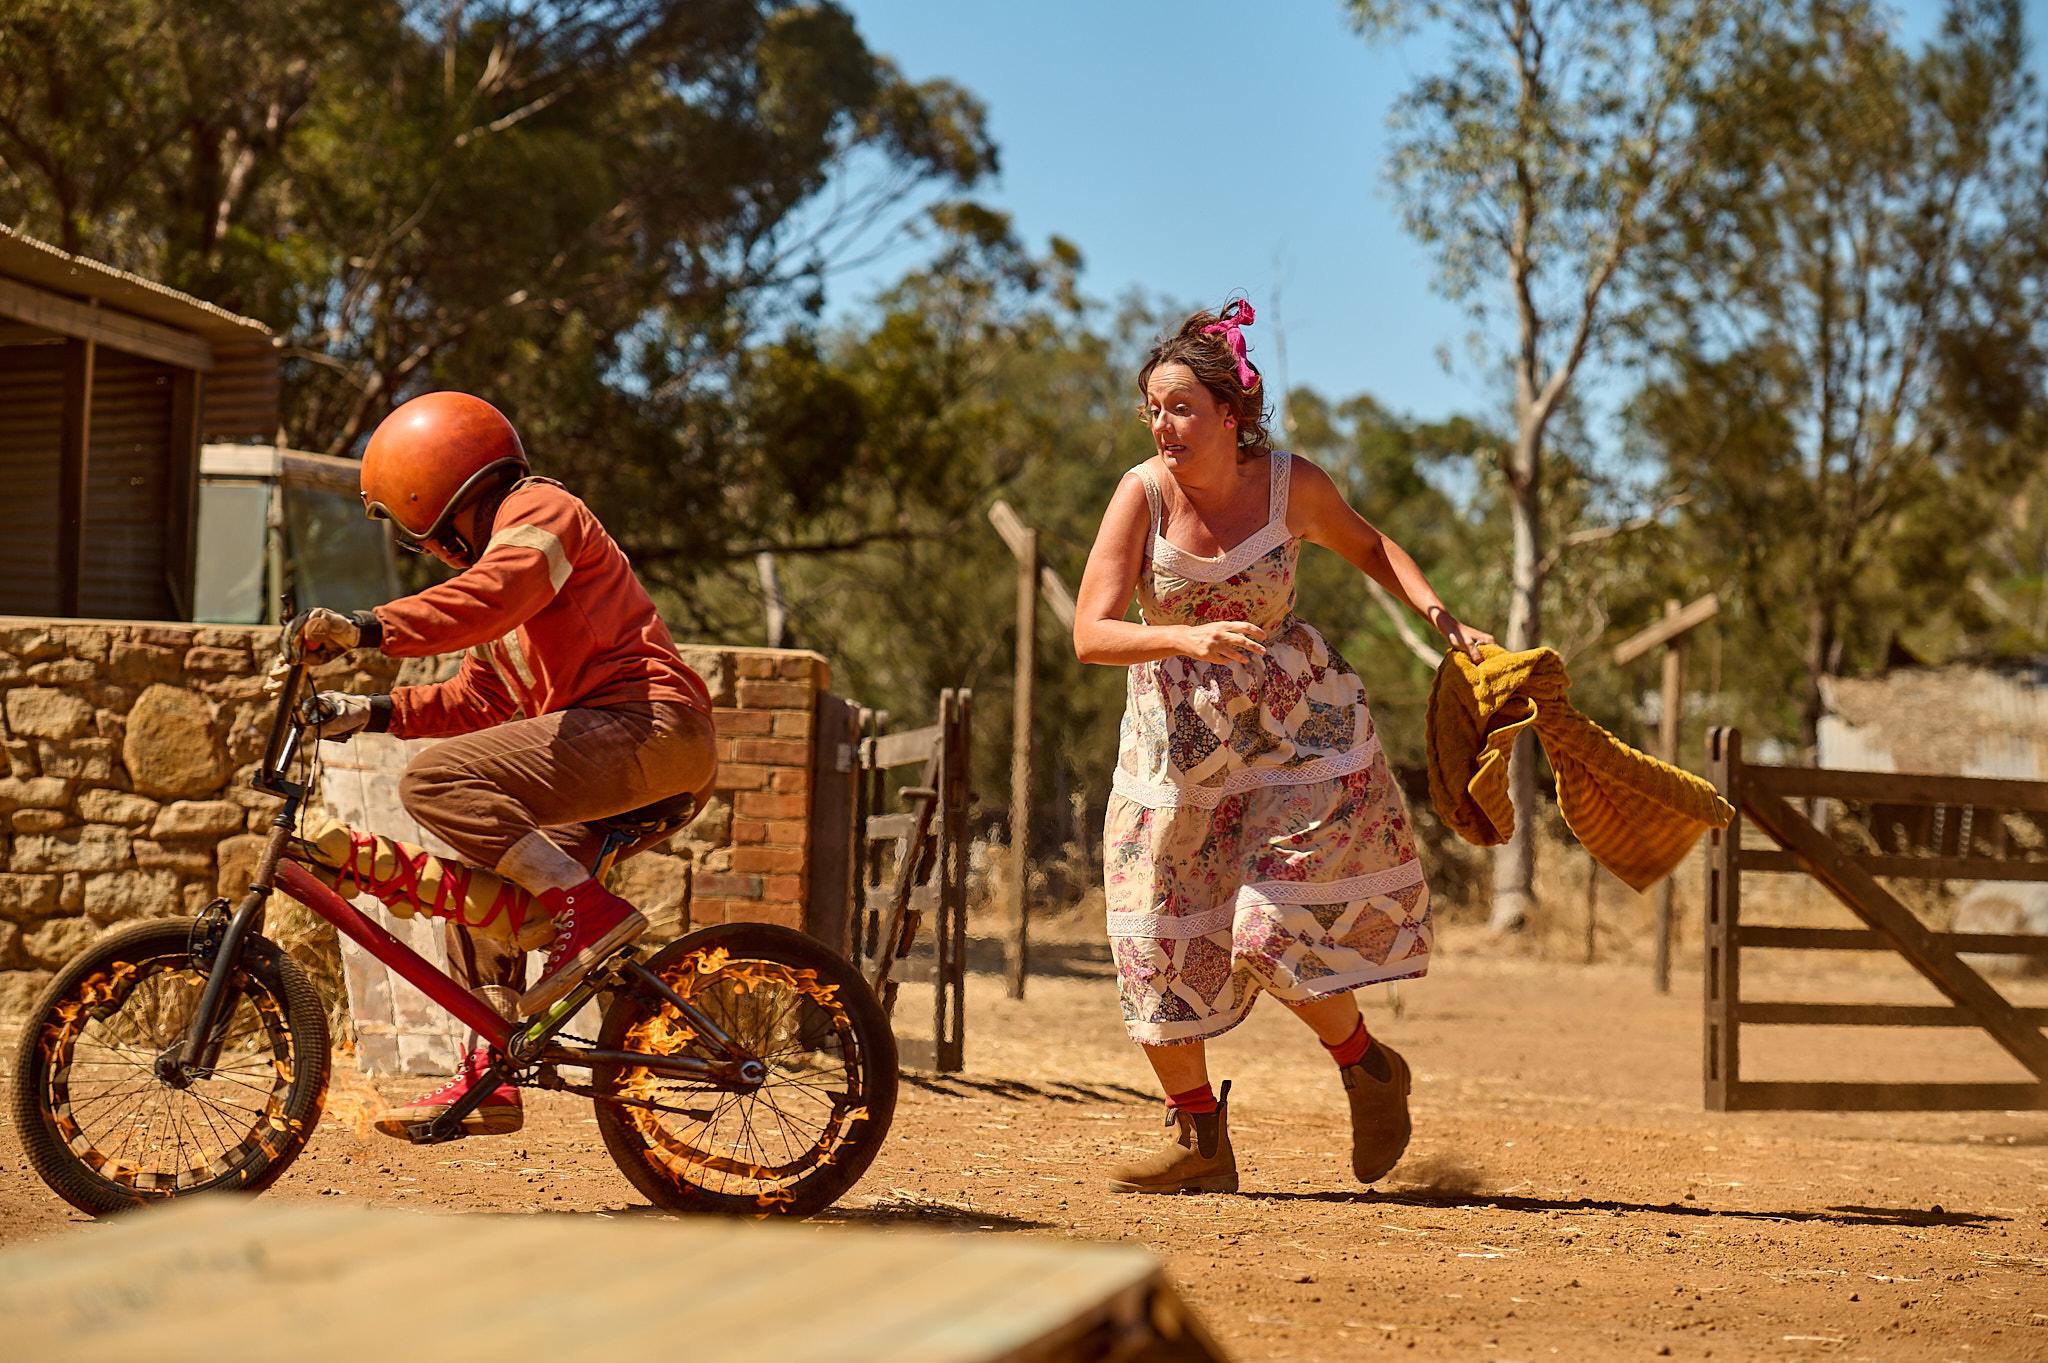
1565, 1195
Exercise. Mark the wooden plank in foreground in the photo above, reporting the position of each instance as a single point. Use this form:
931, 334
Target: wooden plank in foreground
345, 1284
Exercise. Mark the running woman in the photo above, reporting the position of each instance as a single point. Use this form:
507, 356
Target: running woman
1256, 841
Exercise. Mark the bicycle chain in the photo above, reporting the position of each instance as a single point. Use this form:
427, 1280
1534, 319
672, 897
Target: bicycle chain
592, 1091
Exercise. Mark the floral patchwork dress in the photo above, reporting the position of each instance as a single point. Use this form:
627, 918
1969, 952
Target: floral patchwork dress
1255, 837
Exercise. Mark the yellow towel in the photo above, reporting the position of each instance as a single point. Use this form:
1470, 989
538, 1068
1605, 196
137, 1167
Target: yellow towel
1636, 815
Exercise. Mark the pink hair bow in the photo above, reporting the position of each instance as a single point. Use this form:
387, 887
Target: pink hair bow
1239, 314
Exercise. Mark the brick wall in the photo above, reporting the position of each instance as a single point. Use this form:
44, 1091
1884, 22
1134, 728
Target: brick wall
765, 718
129, 747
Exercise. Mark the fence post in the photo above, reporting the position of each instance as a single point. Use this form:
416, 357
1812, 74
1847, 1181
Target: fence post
1722, 917
1674, 705
1026, 547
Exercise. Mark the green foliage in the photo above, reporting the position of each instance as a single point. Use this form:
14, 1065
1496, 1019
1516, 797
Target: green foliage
1850, 347
618, 218
588, 210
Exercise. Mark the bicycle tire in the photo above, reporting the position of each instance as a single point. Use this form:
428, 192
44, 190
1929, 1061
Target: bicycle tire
132, 982
846, 1038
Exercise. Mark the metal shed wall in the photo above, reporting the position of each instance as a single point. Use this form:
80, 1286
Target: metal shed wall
242, 396
31, 415
128, 567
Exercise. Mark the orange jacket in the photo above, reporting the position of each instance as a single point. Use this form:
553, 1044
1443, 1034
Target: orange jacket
553, 618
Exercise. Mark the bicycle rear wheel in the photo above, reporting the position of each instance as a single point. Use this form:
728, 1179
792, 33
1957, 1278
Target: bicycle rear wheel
103, 1128
794, 1145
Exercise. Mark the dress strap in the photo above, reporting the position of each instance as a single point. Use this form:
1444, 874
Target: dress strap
1152, 495
1276, 494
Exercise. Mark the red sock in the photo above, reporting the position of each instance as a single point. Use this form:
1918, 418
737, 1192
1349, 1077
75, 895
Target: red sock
1352, 1049
1195, 1102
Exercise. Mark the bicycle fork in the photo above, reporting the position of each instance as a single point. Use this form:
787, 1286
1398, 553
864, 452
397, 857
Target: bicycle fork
194, 1056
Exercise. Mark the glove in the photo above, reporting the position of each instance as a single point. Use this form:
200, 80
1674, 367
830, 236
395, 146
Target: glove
336, 714
320, 633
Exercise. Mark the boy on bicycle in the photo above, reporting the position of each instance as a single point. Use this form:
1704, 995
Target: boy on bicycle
571, 702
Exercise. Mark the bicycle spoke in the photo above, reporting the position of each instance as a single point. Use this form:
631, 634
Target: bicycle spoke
214, 1129
222, 1105
137, 1091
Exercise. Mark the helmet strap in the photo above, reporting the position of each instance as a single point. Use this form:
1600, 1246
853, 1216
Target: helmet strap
486, 501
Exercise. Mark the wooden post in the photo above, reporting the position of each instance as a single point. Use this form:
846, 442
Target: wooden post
1669, 634
1592, 906
1020, 758
181, 544
1668, 735
74, 454
1033, 579
1722, 984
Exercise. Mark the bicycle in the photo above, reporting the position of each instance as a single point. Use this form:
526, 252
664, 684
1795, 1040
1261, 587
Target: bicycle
744, 1067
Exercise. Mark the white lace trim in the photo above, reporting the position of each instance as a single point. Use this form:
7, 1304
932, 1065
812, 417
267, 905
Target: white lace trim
1170, 927
1168, 557
1169, 795
1392, 880
1171, 558
1178, 927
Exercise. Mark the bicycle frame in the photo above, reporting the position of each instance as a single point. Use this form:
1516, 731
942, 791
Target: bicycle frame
531, 1044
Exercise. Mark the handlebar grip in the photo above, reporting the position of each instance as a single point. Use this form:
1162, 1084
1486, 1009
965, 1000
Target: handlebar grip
278, 747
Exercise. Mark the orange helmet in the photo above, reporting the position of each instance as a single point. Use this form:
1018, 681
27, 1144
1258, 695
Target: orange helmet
432, 455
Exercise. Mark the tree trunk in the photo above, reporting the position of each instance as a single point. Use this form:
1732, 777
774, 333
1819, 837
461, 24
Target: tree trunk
1514, 864
774, 608
1820, 662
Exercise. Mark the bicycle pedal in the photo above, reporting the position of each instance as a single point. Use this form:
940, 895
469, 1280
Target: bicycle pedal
434, 1133
613, 965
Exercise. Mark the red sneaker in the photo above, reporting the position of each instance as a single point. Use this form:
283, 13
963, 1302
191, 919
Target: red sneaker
499, 1114
590, 924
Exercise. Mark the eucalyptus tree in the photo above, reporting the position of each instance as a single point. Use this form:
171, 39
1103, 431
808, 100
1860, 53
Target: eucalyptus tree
1855, 334
1535, 162
588, 209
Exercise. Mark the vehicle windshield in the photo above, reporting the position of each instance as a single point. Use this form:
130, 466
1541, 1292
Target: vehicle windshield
328, 551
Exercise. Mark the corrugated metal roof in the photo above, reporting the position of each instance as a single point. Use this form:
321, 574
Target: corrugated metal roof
1957, 720
39, 263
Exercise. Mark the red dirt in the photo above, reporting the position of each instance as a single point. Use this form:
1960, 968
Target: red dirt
1565, 1195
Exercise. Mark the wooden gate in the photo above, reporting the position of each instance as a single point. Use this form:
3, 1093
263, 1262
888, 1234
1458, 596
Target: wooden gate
890, 859
1898, 826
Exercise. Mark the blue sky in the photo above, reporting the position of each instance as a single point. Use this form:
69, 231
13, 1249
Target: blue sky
1193, 148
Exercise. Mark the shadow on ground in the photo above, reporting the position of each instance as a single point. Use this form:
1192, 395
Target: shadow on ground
901, 1211
1454, 1199
1019, 1091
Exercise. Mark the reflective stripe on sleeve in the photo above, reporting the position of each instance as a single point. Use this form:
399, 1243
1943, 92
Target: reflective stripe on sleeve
533, 537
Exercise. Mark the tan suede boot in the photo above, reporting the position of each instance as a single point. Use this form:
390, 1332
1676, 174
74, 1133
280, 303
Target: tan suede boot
1197, 1159
1378, 1089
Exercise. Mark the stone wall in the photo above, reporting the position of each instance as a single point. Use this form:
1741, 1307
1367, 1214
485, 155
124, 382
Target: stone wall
129, 748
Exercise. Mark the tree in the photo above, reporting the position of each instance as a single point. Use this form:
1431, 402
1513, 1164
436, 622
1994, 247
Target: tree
588, 209
1535, 166
1855, 353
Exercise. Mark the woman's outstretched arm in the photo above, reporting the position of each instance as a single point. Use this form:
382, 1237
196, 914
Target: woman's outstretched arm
1319, 513
1102, 635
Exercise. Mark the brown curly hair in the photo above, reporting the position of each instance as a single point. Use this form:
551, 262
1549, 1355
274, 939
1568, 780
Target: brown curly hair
1214, 365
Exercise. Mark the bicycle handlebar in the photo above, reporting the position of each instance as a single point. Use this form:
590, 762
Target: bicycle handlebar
285, 730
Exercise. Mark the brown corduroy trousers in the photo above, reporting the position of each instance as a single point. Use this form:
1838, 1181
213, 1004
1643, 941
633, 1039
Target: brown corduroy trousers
481, 793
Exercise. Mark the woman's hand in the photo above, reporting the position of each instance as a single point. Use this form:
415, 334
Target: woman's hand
1226, 641
1458, 635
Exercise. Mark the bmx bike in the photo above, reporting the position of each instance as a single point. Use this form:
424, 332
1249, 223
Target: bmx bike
742, 1068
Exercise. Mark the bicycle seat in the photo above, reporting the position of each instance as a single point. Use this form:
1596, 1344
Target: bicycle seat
676, 809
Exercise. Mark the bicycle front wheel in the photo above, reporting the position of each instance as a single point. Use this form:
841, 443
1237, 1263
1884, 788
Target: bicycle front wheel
793, 1145
101, 1125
